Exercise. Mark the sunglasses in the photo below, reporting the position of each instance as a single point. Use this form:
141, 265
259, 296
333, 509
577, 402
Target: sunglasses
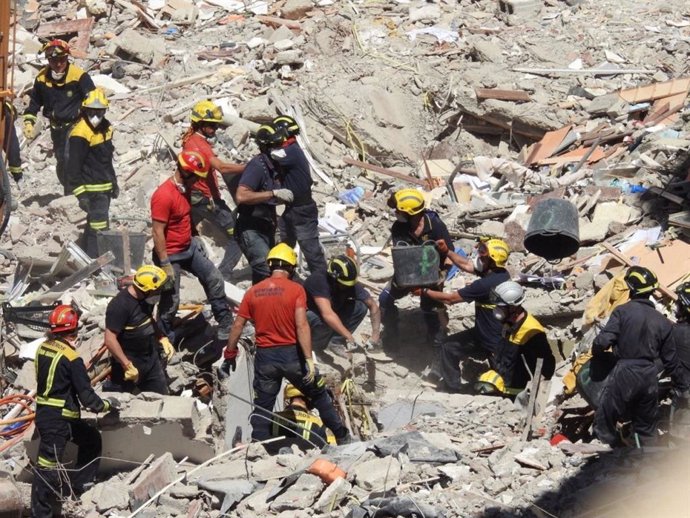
58, 59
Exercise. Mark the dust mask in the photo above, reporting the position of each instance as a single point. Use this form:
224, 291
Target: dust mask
478, 264
95, 120
57, 75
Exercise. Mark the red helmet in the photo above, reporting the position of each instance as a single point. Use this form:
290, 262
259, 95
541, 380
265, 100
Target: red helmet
193, 162
56, 48
64, 318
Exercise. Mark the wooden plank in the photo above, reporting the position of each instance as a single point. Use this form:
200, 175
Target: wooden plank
532, 399
680, 219
670, 197
575, 156
502, 95
81, 27
387, 172
656, 90
627, 262
274, 20
548, 144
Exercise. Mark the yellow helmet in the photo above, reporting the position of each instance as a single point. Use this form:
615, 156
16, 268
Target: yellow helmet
490, 382
409, 201
497, 249
207, 111
343, 269
96, 99
291, 391
282, 252
149, 278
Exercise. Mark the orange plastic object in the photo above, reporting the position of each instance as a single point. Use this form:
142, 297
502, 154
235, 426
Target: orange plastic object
326, 471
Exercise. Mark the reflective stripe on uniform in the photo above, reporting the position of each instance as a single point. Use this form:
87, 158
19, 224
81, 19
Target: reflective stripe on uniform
486, 306
51, 373
96, 187
98, 225
50, 401
131, 328
46, 463
72, 414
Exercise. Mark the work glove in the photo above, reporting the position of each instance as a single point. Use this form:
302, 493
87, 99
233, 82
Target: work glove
168, 349
131, 373
111, 403
115, 192
29, 129
310, 376
170, 272
352, 345
284, 195
372, 344
229, 363
17, 174
278, 154
442, 247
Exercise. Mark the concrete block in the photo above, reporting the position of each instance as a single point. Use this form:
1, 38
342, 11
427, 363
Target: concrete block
140, 410
333, 495
301, 495
152, 480
181, 410
377, 474
107, 496
233, 469
266, 469
255, 504
296, 9
520, 7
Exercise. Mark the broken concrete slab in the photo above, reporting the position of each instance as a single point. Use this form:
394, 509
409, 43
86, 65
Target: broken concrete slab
377, 474
161, 473
300, 495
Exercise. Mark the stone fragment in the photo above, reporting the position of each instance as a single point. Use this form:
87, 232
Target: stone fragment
289, 57
152, 480
296, 9
300, 495
377, 474
486, 51
427, 13
333, 495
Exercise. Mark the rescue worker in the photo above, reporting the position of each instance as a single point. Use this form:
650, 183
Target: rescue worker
485, 340
416, 225
680, 340
299, 223
175, 248
132, 336
524, 342
337, 303
207, 204
11, 143
59, 89
278, 308
90, 174
298, 420
62, 386
257, 195
639, 336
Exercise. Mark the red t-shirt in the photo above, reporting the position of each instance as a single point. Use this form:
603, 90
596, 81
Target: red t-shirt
271, 305
170, 206
209, 185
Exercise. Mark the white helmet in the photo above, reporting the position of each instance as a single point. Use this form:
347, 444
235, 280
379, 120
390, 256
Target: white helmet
509, 293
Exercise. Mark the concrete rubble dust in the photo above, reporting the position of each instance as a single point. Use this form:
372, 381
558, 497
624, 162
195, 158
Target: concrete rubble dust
488, 107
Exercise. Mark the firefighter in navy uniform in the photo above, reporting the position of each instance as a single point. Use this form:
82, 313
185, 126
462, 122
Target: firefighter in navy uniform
11, 143
639, 336
59, 89
524, 342
416, 225
132, 336
62, 385
299, 222
299, 420
680, 340
90, 171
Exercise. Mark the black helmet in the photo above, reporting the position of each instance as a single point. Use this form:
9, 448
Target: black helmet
267, 137
640, 281
683, 301
286, 124
344, 270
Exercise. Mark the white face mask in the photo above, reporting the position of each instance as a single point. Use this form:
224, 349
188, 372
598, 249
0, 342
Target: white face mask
478, 264
95, 120
57, 75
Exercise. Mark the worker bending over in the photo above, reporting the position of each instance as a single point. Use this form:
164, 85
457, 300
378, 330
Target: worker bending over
299, 421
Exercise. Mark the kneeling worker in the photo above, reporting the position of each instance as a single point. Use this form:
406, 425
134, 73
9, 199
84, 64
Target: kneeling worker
298, 421
524, 342
62, 383
132, 336
337, 304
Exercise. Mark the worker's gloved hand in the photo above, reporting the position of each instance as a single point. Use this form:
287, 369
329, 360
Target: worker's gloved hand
278, 154
29, 128
115, 191
111, 403
229, 363
170, 272
17, 174
371, 345
284, 195
353, 345
442, 246
310, 376
131, 373
168, 349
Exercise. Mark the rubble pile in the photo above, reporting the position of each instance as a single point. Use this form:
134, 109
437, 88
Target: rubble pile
490, 106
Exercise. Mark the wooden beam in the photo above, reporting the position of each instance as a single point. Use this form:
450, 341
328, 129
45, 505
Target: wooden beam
502, 95
534, 388
388, 172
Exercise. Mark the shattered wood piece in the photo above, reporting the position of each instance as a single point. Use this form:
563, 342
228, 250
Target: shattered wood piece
532, 399
670, 197
502, 95
274, 20
81, 27
665, 108
580, 154
529, 463
139, 11
663, 289
54, 293
387, 172
680, 219
137, 471
488, 449
656, 90
179, 82
584, 72
547, 146
590, 203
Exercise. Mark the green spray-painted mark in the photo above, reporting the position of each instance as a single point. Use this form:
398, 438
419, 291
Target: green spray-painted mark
429, 260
